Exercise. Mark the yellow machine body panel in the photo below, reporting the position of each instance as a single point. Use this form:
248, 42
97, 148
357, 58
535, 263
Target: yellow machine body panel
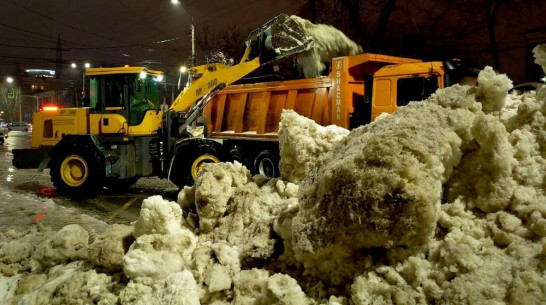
108, 123
149, 125
50, 126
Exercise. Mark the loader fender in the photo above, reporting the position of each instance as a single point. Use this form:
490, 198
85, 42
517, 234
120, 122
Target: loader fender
71, 140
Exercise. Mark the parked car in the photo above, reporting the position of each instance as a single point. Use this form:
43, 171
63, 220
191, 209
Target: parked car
19, 126
3, 131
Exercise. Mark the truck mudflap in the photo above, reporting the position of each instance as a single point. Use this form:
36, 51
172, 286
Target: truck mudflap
24, 158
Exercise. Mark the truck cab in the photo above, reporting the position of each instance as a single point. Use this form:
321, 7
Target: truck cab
396, 85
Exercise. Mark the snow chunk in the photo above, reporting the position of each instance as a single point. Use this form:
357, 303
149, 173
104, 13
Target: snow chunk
158, 216
282, 289
380, 187
540, 56
328, 42
302, 142
177, 288
494, 88
216, 185
162, 245
68, 244
109, 248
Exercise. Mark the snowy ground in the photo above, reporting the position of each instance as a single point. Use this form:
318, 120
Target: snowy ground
27, 197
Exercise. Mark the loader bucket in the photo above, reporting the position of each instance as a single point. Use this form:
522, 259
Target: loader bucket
278, 38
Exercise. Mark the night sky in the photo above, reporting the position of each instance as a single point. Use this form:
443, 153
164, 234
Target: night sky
105, 32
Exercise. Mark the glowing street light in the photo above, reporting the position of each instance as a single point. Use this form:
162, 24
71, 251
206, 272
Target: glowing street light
9, 79
175, 2
87, 65
73, 65
183, 69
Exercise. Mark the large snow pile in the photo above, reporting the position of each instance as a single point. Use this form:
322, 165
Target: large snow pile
328, 42
442, 202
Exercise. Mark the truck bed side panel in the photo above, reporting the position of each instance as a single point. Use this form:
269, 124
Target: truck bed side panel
253, 111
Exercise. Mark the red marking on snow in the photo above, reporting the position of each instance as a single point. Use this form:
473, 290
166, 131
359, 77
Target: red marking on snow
38, 217
48, 191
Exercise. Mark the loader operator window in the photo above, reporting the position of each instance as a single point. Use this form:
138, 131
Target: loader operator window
114, 93
93, 93
106, 93
415, 89
144, 96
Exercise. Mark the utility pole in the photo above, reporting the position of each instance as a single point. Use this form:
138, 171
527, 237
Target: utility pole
192, 28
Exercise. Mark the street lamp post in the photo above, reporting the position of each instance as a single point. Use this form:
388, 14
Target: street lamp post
192, 30
85, 66
16, 97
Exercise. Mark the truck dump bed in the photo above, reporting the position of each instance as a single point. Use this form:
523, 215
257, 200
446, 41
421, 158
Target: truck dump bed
252, 111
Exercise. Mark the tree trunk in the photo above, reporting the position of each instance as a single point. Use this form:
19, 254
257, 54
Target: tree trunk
492, 9
353, 6
382, 22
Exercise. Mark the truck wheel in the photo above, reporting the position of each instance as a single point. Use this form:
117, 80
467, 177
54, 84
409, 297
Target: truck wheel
267, 164
77, 172
191, 159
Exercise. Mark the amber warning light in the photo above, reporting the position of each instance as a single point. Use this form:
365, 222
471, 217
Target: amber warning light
50, 108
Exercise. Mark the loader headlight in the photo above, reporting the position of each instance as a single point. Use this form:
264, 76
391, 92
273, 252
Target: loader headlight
159, 78
142, 74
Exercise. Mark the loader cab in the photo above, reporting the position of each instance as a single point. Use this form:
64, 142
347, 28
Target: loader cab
126, 91
121, 97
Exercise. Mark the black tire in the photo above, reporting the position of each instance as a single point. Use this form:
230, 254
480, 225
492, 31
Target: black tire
120, 185
236, 154
266, 163
190, 158
77, 171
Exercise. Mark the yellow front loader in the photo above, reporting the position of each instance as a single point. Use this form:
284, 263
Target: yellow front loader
122, 133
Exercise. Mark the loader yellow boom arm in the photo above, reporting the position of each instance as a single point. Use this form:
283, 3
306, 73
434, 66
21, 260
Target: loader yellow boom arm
213, 76
278, 38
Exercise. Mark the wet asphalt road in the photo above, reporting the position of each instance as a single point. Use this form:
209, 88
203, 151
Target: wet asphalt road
28, 195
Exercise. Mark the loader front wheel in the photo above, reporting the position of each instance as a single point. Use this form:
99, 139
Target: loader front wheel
199, 162
191, 159
76, 172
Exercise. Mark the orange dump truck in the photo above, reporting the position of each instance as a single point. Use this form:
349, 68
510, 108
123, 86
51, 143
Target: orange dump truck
359, 88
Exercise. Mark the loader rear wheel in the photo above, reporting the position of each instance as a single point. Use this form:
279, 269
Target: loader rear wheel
191, 159
77, 171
